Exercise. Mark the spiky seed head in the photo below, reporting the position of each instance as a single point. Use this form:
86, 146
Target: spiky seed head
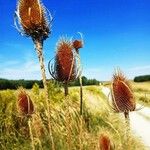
104, 142
122, 94
25, 104
65, 64
32, 17
77, 44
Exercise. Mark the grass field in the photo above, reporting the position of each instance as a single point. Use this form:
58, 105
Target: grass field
142, 92
70, 131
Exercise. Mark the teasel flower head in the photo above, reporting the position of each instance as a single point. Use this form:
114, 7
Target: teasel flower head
77, 44
64, 68
122, 94
105, 143
25, 104
33, 19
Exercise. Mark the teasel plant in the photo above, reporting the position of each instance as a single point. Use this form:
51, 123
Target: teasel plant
26, 109
123, 99
63, 67
105, 143
122, 94
25, 104
32, 19
78, 44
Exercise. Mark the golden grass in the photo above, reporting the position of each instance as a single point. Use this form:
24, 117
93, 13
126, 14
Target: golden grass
70, 131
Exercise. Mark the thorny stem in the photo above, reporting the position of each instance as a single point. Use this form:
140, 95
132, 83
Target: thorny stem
81, 105
68, 126
66, 88
126, 114
39, 49
31, 135
81, 96
81, 134
81, 88
127, 121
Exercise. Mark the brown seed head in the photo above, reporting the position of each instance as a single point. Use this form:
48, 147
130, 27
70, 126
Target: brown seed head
65, 64
77, 44
25, 104
122, 94
104, 142
33, 18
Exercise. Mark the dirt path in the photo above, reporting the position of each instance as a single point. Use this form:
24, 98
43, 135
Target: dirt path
139, 121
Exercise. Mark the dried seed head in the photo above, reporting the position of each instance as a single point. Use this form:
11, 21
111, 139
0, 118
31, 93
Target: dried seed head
77, 44
104, 142
122, 94
65, 64
32, 17
25, 104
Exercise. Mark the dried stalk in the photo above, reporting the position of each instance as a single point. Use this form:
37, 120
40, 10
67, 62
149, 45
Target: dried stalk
66, 88
34, 20
31, 135
39, 50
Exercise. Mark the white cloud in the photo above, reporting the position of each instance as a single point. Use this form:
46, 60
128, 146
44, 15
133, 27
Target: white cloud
27, 70
96, 73
106, 73
140, 68
137, 71
16, 69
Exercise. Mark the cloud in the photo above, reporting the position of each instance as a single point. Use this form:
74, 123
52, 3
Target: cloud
137, 71
140, 68
27, 68
96, 73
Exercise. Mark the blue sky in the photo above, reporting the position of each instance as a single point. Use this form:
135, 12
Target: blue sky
116, 34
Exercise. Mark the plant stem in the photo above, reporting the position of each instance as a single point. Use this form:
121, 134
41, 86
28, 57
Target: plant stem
31, 135
81, 96
81, 89
39, 49
127, 121
66, 88
81, 133
68, 126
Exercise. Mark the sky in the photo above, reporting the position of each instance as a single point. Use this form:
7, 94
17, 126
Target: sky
116, 34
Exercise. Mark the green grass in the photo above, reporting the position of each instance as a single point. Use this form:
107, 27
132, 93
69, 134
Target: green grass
69, 129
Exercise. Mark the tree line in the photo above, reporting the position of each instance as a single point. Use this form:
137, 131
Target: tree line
14, 84
142, 78
28, 84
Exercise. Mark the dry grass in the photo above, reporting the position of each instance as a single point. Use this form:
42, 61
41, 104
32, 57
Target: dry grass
70, 131
142, 92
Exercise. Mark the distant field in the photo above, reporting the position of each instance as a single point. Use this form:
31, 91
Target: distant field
142, 92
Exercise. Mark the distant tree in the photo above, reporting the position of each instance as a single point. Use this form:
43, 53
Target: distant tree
28, 84
14, 84
142, 78
84, 81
